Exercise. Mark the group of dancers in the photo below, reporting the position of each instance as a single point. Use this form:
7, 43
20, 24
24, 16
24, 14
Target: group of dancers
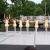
14, 20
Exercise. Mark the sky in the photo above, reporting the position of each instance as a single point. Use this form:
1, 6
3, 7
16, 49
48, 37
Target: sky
36, 1
9, 1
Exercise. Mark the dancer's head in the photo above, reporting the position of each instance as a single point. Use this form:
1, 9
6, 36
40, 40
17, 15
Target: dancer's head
46, 17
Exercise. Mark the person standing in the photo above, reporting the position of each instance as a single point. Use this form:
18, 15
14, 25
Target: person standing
20, 25
46, 23
6, 21
27, 23
30, 48
14, 24
36, 24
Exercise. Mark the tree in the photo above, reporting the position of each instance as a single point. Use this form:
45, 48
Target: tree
24, 7
28, 8
47, 3
3, 7
15, 10
38, 11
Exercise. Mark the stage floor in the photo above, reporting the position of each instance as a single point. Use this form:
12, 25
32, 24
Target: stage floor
24, 38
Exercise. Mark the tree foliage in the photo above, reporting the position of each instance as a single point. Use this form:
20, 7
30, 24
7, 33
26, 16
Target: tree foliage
24, 7
47, 2
38, 11
3, 8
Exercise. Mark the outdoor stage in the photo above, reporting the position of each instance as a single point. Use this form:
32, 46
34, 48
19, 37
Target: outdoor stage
24, 38
20, 40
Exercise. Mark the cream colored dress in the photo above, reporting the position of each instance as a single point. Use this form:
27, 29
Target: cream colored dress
14, 23
27, 23
20, 24
36, 24
46, 23
6, 23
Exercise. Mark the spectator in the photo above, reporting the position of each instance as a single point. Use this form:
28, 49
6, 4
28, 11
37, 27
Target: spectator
30, 48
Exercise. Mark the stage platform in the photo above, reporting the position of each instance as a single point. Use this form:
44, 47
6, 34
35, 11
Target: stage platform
22, 47
24, 38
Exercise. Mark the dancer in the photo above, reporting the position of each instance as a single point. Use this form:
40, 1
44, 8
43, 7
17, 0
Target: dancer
46, 24
20, 24
36, 24
6, 21
14, 24
27, 25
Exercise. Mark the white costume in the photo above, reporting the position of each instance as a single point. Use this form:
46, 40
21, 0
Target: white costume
36, 24
46, 23
6, 23
14, 23
27, 23
20, 23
